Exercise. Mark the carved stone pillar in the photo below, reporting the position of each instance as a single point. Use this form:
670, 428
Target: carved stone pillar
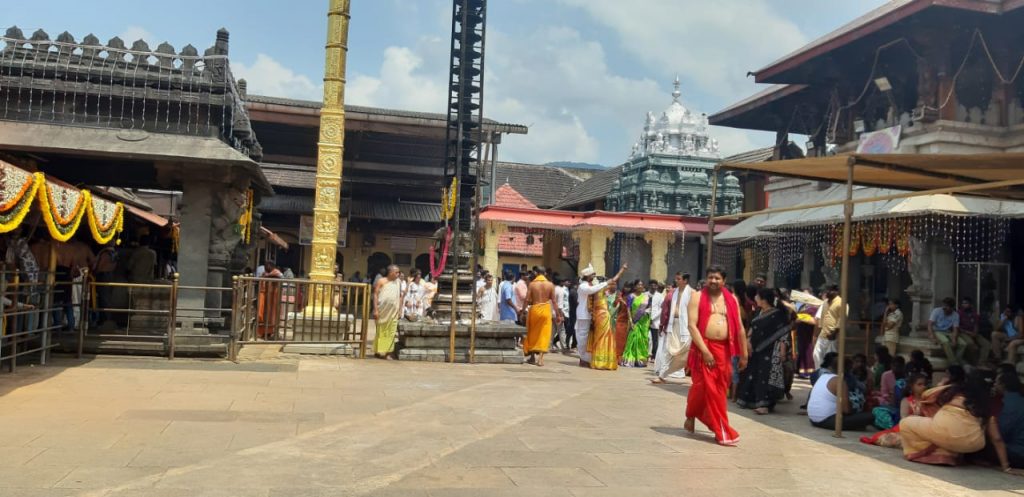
659, 241
552, 250
492, 236
920, 291
598, 244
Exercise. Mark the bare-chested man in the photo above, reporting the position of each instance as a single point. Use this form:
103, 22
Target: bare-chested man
718, 336
540, 303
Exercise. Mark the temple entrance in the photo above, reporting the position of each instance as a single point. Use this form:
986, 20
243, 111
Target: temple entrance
423, 263
376, 262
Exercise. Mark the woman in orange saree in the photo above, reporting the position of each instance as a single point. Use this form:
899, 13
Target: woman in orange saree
601, 343
268, 310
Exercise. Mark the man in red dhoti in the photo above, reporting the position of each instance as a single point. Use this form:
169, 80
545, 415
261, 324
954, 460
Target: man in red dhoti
718, 336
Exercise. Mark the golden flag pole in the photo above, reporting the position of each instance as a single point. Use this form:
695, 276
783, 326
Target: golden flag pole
330, 150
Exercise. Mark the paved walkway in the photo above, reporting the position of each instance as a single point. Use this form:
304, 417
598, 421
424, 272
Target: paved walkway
310, 427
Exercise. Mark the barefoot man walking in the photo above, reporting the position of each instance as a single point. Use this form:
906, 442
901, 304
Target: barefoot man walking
540, 304
718, 336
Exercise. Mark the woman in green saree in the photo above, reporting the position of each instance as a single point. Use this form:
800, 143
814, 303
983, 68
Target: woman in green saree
638, 341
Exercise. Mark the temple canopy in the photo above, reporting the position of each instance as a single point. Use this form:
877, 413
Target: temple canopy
996, 175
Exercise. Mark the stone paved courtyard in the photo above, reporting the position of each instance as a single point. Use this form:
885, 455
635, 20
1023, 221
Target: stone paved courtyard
315, 426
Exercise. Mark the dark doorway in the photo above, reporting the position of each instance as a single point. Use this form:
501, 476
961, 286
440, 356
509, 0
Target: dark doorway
423, 263
375, 263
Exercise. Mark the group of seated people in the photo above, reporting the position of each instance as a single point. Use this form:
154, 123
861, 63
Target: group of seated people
965, 417
968, 337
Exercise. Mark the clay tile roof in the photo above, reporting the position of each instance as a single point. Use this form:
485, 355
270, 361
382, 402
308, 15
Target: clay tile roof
506, 196
591, 190
514, 242
544, 186
751, 156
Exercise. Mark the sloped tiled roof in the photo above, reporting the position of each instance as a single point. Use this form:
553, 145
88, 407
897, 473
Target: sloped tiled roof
514, 242
544, 186
591, 190
374, 111
751, 156
289, 176
506, 196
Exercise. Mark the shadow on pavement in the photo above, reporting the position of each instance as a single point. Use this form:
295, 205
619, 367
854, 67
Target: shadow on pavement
788, 417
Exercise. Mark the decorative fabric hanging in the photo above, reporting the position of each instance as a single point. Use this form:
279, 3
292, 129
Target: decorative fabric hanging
18, 188
63, 208
175, 238
106, 218
436, 270
245, 220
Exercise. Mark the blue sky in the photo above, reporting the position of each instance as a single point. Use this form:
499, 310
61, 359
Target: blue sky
580, 73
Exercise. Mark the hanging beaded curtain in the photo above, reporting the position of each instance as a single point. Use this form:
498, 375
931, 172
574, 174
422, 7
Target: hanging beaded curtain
786, 253
18, 188
970, 239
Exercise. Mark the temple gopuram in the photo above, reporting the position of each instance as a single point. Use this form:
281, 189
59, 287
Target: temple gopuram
668, 171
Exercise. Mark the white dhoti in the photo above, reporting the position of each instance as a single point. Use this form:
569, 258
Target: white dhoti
674, 345
582, 334
821, 348
675, 363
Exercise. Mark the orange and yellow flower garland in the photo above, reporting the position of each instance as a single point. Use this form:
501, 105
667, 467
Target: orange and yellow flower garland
62, 227
104, 223
872, 237
14, 209
62, 220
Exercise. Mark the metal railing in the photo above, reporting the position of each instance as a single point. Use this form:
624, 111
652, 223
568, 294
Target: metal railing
137, 310
253, 310
29, 316
287, 311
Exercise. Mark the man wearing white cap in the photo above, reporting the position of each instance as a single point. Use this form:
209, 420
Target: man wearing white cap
587, 288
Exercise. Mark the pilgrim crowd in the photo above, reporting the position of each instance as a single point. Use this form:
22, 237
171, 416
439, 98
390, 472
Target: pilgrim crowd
972, 413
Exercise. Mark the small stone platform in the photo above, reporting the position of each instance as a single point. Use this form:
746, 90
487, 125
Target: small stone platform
496, 343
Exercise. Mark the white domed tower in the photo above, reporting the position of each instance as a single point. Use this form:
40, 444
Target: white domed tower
673, 160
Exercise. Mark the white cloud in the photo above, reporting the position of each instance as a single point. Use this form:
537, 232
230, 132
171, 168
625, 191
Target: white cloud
712, 44
267, 76
133, 33
401, 84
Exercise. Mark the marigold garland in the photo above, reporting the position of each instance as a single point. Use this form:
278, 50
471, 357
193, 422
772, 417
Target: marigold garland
245, 220
62, 228
13, 212
885, 242
103, 231
448, 200
869, 238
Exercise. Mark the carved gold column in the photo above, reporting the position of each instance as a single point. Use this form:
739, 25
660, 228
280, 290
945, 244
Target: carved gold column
331, 145
330, 148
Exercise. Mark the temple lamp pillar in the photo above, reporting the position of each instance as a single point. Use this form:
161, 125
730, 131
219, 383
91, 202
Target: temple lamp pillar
330, 151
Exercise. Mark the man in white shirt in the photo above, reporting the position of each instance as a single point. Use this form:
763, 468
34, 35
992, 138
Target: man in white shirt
673, 351
562, 301
657, 296
587, 288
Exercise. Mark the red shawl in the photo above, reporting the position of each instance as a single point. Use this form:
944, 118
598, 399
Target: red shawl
732, 317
